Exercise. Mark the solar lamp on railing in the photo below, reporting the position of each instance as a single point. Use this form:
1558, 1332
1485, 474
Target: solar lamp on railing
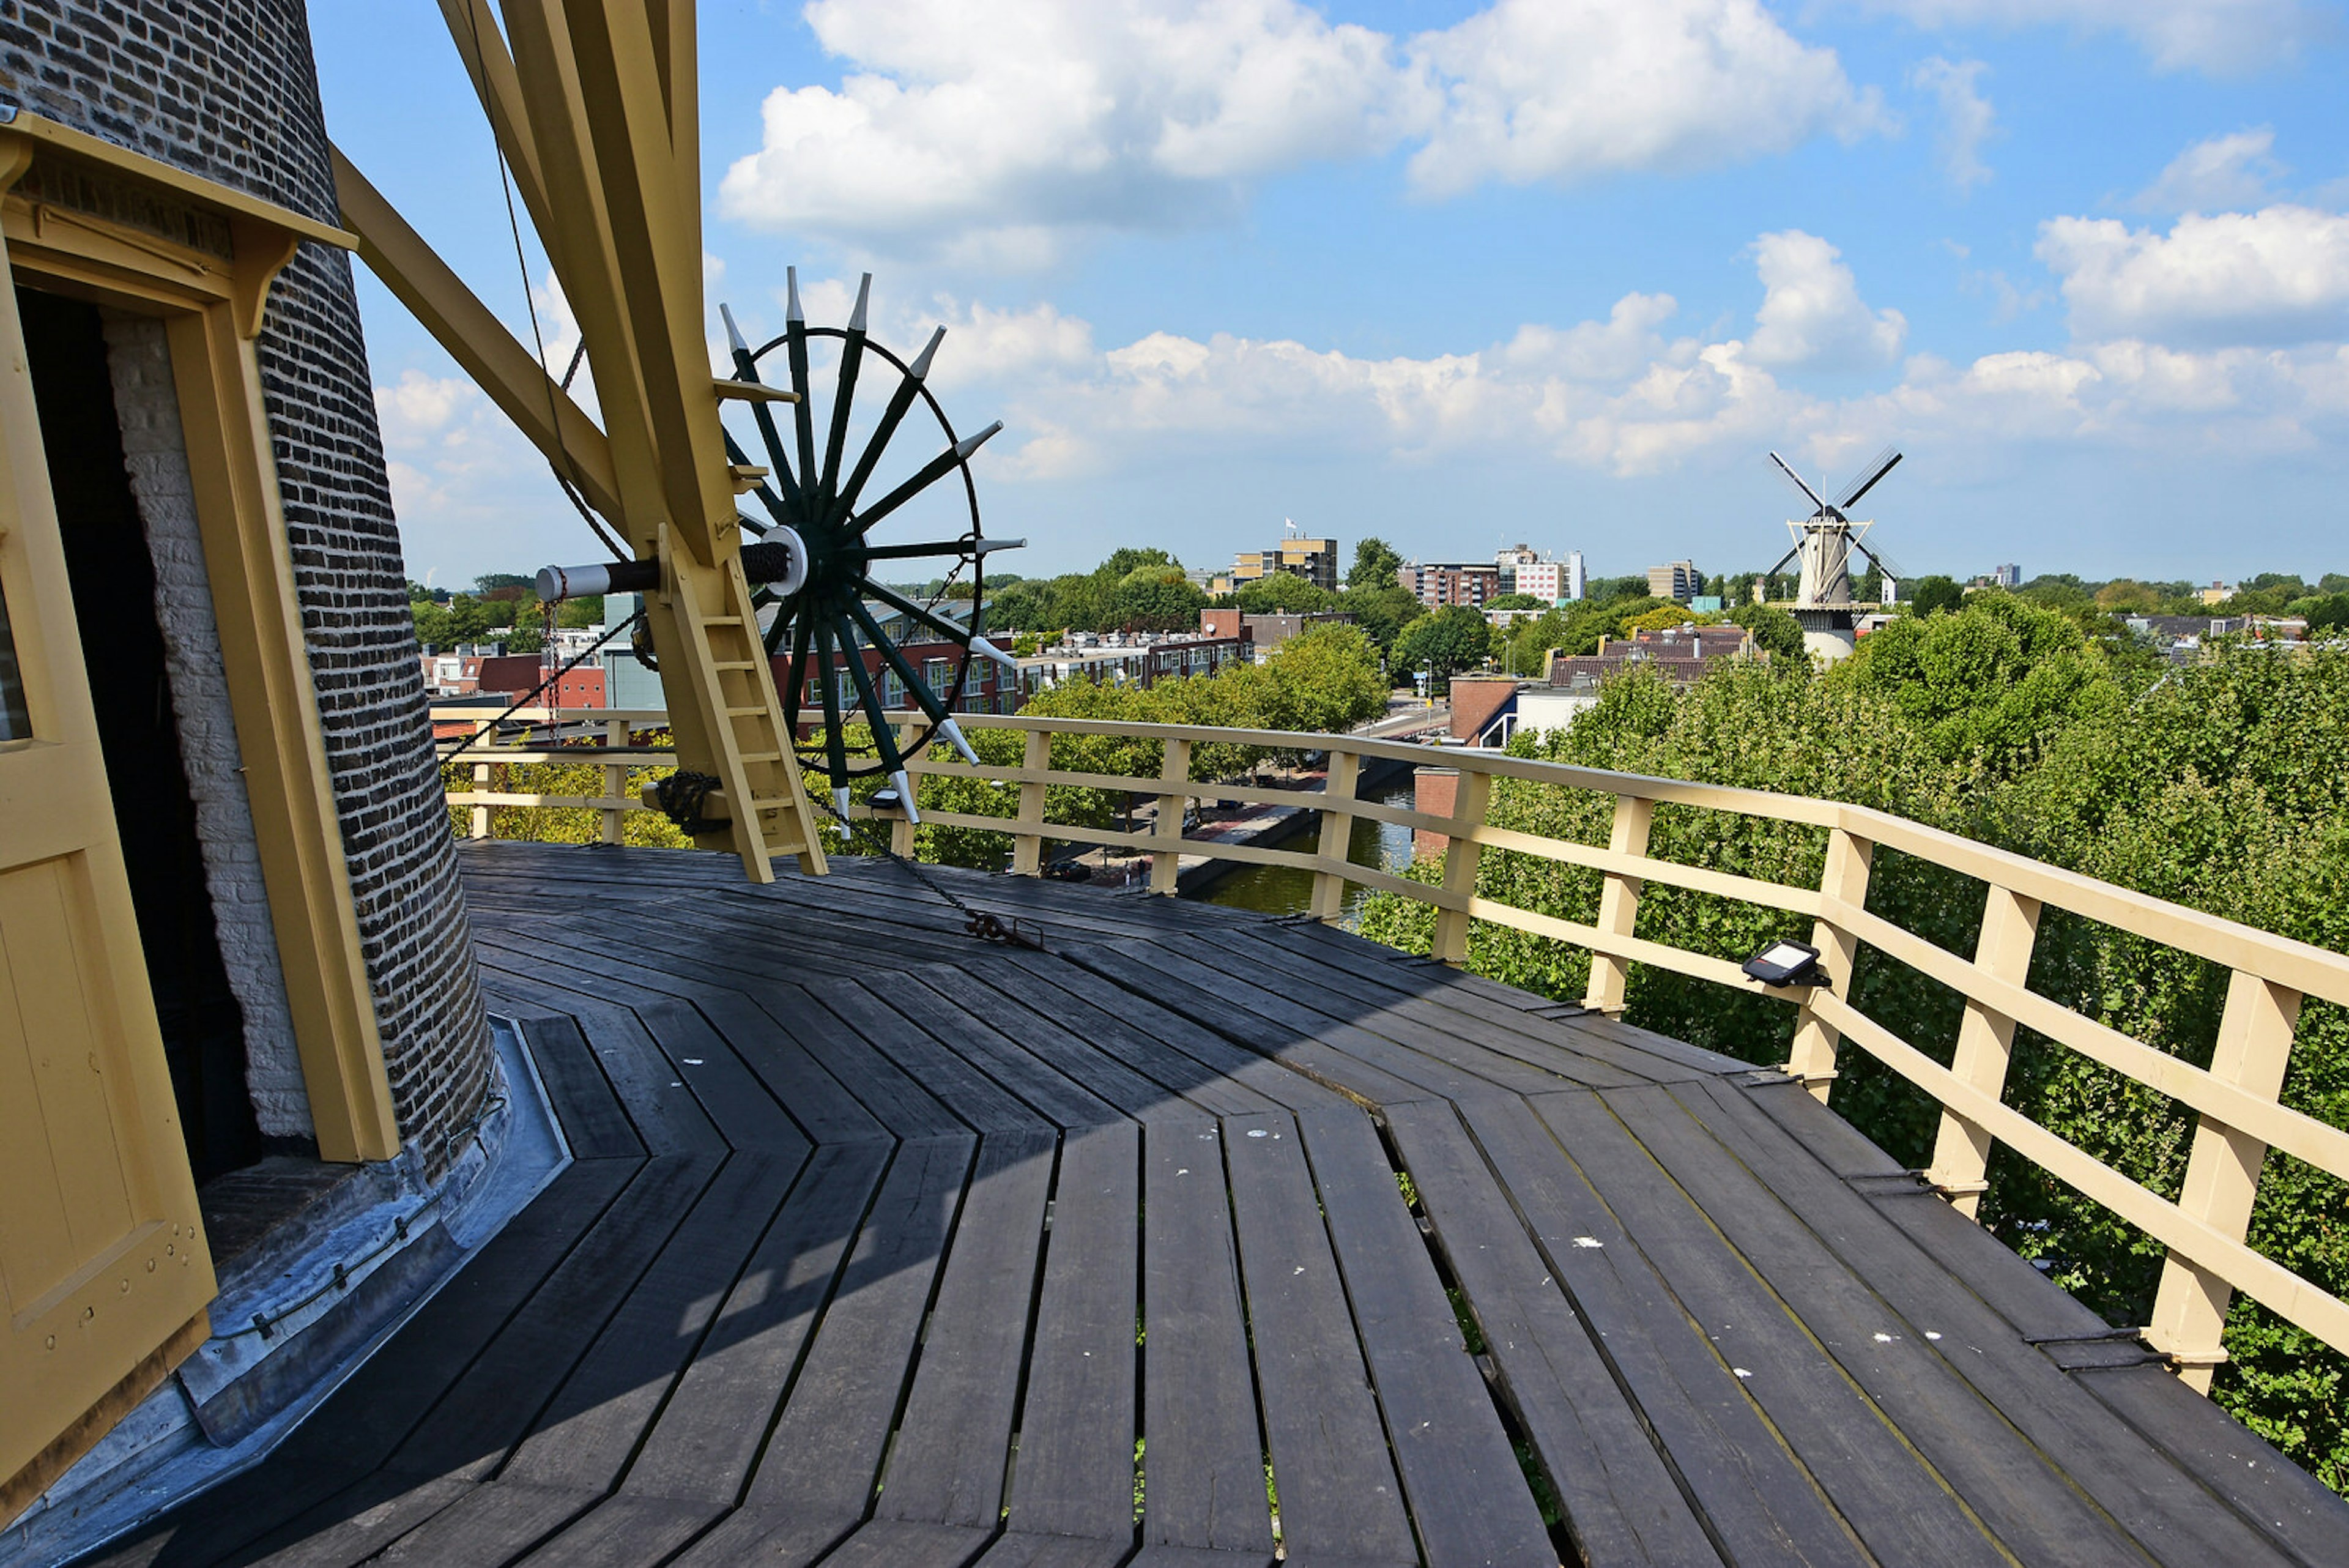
1786, 963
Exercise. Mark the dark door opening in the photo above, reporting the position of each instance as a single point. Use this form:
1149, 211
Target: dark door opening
113, 579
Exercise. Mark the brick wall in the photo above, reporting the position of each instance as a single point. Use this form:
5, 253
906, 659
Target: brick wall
147, 407
226, 89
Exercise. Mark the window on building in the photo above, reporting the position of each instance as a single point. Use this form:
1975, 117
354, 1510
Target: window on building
936, 672
893, 691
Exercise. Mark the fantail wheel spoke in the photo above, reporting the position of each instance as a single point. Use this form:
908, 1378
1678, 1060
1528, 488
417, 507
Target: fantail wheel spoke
900, 402
929, 473
796, 336
746, 368
852, 360
933, 707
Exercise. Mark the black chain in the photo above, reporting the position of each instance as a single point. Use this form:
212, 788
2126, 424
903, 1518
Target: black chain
981, 925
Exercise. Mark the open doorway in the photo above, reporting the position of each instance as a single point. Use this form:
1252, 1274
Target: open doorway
113, 582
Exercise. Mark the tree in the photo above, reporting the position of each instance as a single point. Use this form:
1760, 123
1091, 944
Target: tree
581, 613
1375, 563
496, 583
1453, 638
1985, 685
1156, 598
1516, 602
1930, 596
1283, 593
1775, 632
1381, 612
1326, 680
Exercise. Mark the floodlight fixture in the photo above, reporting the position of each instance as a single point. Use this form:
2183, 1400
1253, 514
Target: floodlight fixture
1786, 963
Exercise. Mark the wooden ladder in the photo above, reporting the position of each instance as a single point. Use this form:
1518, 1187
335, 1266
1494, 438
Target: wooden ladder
766, 800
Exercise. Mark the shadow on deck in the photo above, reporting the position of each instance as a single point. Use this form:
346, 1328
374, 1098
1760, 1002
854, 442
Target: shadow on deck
884, 1245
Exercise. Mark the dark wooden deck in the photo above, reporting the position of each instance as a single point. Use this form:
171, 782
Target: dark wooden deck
883, 1245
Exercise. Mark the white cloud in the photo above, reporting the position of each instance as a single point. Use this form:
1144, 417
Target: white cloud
2223, 174
1967, 118
421, 407
2277, 275
995, 127
990, 136
1539, 89
2221, 36
1811, 310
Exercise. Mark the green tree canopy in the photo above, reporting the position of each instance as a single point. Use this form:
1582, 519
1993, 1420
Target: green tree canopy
1375, 563
1986, 683
1929, 596
1516, 602
1326, 680
1775, 632
1442, 643
1283, 593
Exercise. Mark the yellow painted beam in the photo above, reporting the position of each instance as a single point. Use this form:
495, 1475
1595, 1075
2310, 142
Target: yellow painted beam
483, 48
477, 340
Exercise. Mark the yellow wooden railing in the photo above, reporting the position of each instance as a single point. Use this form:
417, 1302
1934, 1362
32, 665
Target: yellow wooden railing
2236, 1097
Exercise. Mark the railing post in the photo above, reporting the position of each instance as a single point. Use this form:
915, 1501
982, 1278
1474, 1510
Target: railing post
901, 828
2222, 1174
1619, 902
615, 779
1028, 846
1337, 831
1844, 879
480, 786
1167, 833
1985, 1044
1460, 857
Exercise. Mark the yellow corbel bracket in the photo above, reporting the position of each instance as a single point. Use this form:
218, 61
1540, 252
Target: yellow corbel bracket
752, 392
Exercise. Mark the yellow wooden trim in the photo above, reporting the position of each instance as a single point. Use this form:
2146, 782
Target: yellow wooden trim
34, 130
22, 1490
297, 831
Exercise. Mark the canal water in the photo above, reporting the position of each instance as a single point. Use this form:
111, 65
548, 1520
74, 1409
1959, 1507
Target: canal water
1288, 890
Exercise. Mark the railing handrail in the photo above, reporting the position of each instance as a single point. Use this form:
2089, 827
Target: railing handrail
2237, 1095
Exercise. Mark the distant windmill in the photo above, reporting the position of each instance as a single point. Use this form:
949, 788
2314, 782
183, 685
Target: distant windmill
1826, 539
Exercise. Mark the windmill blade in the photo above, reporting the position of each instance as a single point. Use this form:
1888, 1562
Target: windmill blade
1789, 555
900, 402
1796, 481
929, 473
746, 368
1883, 563
852, 360
1878, 466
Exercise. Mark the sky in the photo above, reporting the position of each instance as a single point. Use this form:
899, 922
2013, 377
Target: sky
1561, 272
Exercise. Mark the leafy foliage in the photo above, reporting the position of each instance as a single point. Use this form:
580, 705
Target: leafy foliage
1444, 642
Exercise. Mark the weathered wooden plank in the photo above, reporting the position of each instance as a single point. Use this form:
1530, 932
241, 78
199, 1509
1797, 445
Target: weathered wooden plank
1749, 1488
826, 1450
491, 1525
1203, 1455
1339, 1499
969, 1034
472, 1428
1427, 1031
323, 1480
1074, 1475
1911, 1378
1896, 1502
906, 1108
1207, 1070
974, 1097
1460, 1474
906, 1543
1015, 1549
624, 1530
593, 1124
702, 1447
1205, 1001
2129, 1480
1003, 995
1621, 1502
1467, 1007
947, 1464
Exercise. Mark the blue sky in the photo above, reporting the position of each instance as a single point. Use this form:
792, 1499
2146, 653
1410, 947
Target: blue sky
1458, 274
